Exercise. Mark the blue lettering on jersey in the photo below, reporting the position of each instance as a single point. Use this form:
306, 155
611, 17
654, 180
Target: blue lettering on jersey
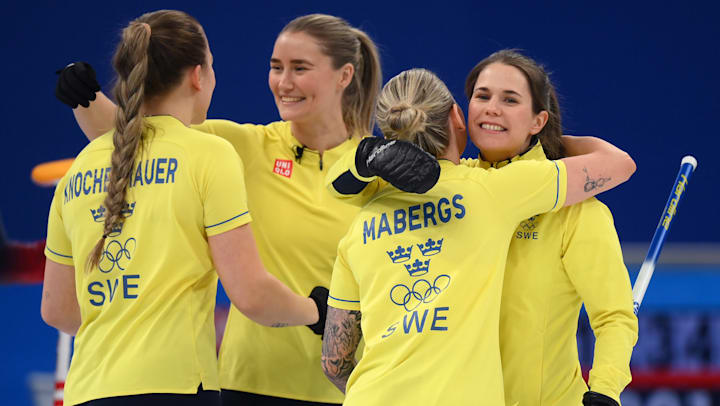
112, 289
408, 219
444, 213
416, 319
429, 213
96, 292
526, 235
127, 286
413, 217
148, 172
368, 230
437, 318
390, 330
458, 206
384, 226
105, 292
399, 220
413, 322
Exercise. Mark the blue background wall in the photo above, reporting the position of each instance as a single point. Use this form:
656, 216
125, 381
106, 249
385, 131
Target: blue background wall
640, 74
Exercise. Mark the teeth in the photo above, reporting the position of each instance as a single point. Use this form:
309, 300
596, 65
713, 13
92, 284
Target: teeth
288, 99
492, 127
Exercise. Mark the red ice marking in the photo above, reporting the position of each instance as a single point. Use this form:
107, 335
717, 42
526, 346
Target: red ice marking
283, 167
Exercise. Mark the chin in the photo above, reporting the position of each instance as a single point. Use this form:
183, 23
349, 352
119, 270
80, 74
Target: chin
489, 143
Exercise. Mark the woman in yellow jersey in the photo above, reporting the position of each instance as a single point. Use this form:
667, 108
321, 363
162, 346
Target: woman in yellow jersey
557, 261
141, 226
420, 276
325, 76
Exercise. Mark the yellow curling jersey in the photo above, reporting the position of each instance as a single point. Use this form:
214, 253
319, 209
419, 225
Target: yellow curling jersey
426, 271
297, 225
148, 308
556, 262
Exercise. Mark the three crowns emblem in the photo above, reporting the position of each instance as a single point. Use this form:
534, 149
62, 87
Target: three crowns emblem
417, 268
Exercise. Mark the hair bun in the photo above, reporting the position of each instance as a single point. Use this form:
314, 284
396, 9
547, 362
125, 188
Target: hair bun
406, 120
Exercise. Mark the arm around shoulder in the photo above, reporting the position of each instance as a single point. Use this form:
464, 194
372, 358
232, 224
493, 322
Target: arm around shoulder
594, 166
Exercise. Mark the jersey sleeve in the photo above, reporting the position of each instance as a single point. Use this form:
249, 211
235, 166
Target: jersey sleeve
344, 290
223, 191
57, 245
344, 183
526, 188
243, 137
593, 261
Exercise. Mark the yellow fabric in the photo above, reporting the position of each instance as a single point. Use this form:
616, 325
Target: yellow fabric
345, 164
426, 273
148, 311
556, 262
297, 226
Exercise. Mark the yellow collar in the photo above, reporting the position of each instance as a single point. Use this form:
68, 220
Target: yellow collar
535, 153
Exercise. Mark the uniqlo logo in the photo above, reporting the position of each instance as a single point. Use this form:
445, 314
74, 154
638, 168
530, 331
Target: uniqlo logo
283, 167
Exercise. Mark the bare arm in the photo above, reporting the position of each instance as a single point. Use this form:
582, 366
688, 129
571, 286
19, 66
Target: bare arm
59, 307
342, 336
256, 293
594, 166
98, 118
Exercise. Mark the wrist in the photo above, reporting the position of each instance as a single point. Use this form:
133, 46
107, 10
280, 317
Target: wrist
592, 398
319, 298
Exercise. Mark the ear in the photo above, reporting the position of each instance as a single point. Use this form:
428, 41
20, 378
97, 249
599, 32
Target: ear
457, 118
196, 77
347, 72
539, 122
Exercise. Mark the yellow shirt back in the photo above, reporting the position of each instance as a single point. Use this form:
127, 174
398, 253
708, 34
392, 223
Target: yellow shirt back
426, 272
148, 309
297, 225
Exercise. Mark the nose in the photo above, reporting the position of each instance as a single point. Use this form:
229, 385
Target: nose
285, 82
492, 107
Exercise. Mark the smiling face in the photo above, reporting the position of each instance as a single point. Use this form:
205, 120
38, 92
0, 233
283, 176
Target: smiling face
501, 120
303, 79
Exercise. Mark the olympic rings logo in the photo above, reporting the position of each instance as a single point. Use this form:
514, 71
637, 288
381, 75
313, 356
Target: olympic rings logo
117, 254
422, 291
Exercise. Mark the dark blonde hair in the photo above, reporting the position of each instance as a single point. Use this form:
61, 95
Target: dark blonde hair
415, 106
346, 44
542, 91
150, 60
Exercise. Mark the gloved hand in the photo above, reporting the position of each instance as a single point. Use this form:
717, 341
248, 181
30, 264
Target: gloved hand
319, 295
591, 398
76, 84
403, 164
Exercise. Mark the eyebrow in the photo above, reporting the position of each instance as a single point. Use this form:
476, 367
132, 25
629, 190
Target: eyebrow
512, 92
293, 61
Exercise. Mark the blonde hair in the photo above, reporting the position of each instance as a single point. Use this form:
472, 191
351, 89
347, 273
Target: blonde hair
150, 59
415, 106
346, 44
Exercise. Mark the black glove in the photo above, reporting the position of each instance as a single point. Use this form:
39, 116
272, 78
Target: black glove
319, 295
403, 164
76, 84
591, 398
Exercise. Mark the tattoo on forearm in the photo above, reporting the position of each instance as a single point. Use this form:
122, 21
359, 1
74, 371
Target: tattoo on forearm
592, 184
342, 336
279, 325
